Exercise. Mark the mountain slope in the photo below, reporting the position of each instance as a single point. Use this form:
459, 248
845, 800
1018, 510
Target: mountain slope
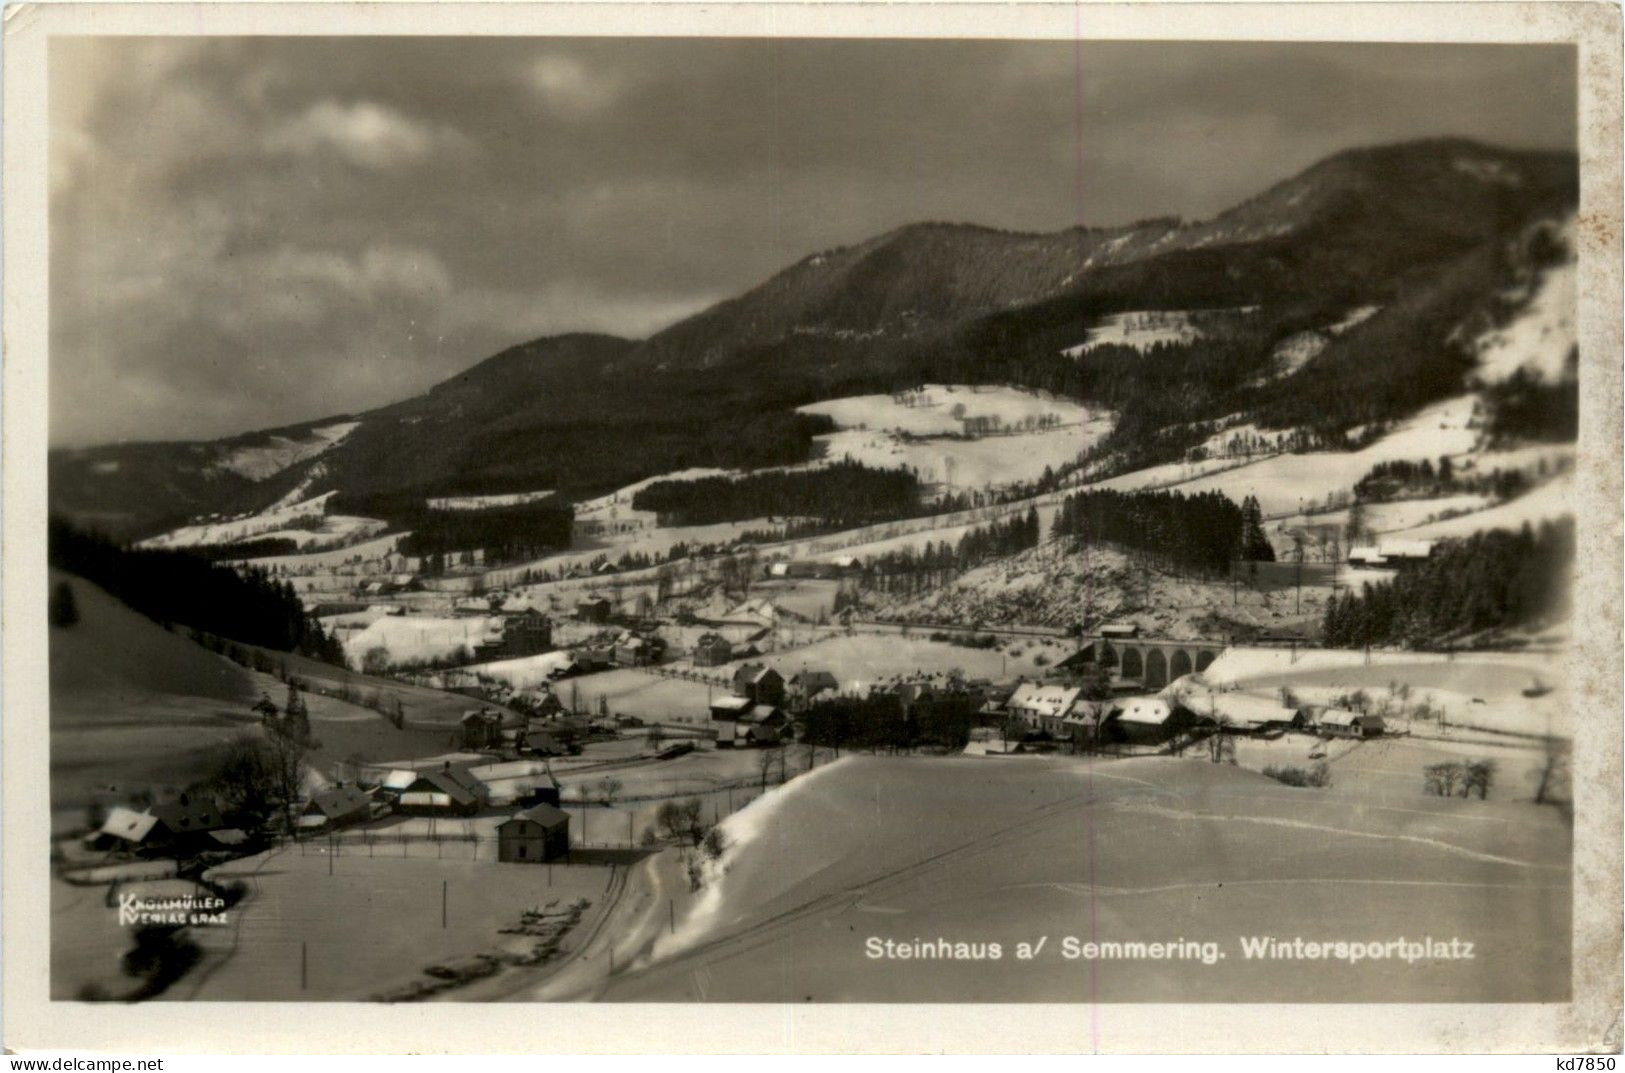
1421, 231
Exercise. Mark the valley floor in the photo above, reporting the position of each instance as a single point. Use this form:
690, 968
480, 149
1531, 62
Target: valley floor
1155, 850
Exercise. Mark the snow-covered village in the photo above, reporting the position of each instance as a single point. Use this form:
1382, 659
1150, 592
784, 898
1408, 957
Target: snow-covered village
1205, 575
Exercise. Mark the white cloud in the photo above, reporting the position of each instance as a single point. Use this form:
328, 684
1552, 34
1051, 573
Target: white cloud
366, 134
570, 85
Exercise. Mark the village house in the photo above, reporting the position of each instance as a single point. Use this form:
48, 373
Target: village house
759, 683
1390, 552
336, 807
741, 721
482, 729
805, 686
453, 791
1235, 712
524, 634
934, 701
1042, 707
543, 743
712, 650
596, 609
1144, 721
1342, 723
534, 835
1081, 723
187, 823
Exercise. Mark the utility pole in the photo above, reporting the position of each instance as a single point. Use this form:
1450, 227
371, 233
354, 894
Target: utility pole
303, 962
443, 903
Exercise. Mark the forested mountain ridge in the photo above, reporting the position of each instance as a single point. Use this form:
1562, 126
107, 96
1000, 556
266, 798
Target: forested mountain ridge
1428, 234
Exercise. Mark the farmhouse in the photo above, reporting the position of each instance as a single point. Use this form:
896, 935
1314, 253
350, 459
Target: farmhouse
931, 703
1145, 720
1342, 723
126, 828
172, 825
1244, 713
712, 650
524, 634
543, 743
1081, 722
533, 835
730, 706
762, 684
1042, 707
597, 609
806, 685
740, 720
395, 783
334, 808
448, 791
1390, 552
633, 651
762, 724
482, 729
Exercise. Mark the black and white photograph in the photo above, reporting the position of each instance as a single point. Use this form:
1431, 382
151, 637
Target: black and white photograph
716, 519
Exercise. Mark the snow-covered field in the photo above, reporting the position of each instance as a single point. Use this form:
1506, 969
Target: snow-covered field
962, 465
1390, 517
1287, 484
1140, 329
370, 551
511, 499
269, 459
408, 638
618, 504
1554, 499
873, 430
1474, 690
935, 409
243, 527
526, 672
1540, 337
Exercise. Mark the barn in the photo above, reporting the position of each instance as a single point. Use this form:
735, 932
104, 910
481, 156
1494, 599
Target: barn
1342, 723
534, 835
335, 807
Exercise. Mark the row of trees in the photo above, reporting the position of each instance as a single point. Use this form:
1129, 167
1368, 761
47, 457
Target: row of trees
848, 493
880, 721
1403, 478
908, 570
1494, 580
1203, 533
179, 587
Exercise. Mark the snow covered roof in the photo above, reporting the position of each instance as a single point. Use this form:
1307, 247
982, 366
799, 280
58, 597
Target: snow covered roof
128, 824
1342, 717
1234, 708
548, 816
731, 704
1145, 711
1043, 700
399, 779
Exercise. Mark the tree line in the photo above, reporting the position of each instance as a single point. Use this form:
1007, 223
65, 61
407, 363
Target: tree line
909, 570
847, 493
1203, 533
510, 533
1495, 580
245, 605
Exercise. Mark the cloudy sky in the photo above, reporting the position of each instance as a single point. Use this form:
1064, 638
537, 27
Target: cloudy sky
252, 232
